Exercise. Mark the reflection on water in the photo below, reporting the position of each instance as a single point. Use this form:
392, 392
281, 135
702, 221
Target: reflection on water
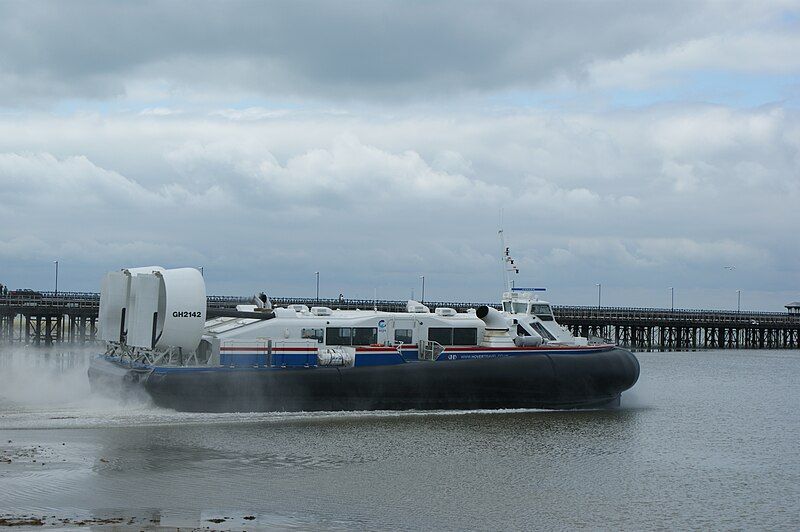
706, 439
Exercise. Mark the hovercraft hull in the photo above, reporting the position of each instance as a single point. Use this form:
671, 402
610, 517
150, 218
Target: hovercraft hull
542, 380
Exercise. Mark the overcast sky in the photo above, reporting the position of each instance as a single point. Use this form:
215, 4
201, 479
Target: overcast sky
640, 145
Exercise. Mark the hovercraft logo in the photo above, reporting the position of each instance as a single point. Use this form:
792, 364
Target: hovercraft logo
382, 324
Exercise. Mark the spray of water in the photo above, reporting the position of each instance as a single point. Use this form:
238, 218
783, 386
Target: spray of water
50, 381
642, 394
31, 377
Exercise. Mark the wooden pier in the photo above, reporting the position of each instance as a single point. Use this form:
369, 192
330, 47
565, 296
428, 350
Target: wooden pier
49, 317
46, 318
660, 329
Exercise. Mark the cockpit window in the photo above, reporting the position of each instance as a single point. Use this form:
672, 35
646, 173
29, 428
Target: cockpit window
544, 333
542, 310
507, 306
520, 308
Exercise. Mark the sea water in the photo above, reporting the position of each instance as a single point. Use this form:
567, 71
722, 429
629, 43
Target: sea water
706, 439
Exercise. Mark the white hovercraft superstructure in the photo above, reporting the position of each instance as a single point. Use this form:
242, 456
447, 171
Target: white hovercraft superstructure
148, 318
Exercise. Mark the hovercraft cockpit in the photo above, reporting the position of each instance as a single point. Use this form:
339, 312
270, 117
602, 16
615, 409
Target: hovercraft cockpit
533, 320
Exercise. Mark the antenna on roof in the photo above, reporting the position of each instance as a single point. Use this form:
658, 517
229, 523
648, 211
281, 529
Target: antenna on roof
509, 266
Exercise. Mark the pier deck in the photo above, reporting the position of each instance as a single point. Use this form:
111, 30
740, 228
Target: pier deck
71, 317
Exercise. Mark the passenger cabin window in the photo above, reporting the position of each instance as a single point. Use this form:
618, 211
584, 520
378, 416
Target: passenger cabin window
404, 336
339, 335
352, 335
506, 306
365, 335
313, 334
520, 308
521, 331
465, 336
442, 335
454, 336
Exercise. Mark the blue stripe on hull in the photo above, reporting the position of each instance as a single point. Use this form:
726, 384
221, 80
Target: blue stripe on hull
473, 355
278, 359
308, 359
378, 359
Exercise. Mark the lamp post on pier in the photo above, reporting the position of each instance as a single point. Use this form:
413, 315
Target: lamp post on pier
423, 289
317, 274
599, 295
738, 301
56, 263
672, 296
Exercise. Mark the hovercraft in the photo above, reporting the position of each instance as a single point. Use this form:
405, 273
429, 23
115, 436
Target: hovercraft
258, 358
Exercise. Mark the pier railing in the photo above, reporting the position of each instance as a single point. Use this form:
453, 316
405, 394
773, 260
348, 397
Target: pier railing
651, 314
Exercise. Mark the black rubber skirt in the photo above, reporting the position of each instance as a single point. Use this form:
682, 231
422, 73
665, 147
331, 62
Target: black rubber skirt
557, 381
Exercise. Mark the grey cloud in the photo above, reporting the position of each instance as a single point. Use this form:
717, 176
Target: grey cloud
345, 50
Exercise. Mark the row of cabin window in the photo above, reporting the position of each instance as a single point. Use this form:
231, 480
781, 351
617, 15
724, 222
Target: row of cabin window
454, 335
343, 335
369, 335
442, 335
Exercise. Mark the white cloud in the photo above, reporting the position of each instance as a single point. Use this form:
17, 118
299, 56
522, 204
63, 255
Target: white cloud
159, 111
766, 51
622, 196
40, 180
251, 113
